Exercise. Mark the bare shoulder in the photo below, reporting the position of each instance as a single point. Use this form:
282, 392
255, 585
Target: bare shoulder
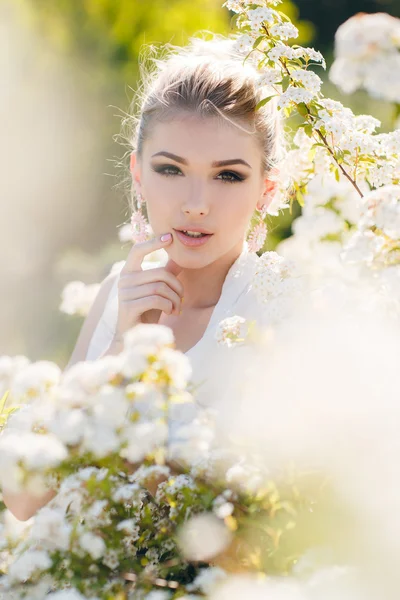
89, 325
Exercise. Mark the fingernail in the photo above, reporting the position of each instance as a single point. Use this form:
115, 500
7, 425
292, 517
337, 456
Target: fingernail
166, 237
182, 299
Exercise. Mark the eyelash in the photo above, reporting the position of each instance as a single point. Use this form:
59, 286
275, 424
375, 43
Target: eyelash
162, 171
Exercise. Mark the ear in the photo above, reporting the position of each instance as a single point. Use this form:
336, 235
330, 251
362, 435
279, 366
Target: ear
135, 170
269, 187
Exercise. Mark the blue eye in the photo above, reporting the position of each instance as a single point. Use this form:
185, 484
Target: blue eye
171, 170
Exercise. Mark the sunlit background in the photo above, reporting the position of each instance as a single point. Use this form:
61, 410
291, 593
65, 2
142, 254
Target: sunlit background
68, 71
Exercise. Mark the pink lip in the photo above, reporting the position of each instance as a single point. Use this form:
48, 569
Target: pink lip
192, 242
195, 230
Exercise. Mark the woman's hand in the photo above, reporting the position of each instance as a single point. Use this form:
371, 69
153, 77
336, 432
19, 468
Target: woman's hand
144, 294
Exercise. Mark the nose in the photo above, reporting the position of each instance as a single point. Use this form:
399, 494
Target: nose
196, 204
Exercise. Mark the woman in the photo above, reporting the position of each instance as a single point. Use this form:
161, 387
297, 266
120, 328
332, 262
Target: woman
204, 161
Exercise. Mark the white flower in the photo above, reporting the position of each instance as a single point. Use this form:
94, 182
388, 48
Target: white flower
92, 544
78, 298
224, 510
101, 439
296, 95
83, 379
233, 5
383, 209
366, 55
208, 579
309, 54
111, 406
128, 526
284, 31
258, 16
232, 331
34, 451
69, 426
366, 123
134, 360
97, 514
9, 367
111, 560
269, 77
203, 537
28, 563
320, 223
51, 527
149, 335
309, 79
177, 365
279, 51
88, 472
244, 43
142, 439
363, 246
70, 594
270, 277
35, 379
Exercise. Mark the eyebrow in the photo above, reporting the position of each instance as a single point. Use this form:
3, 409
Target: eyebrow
217, 163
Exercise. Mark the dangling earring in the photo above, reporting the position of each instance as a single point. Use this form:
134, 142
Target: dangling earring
258, 234
139, 224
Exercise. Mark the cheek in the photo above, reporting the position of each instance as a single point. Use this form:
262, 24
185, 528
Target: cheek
161, 213
236, 211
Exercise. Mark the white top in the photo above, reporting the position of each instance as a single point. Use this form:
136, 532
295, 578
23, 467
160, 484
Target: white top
214, 365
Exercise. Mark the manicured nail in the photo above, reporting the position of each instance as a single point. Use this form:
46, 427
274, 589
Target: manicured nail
166, 237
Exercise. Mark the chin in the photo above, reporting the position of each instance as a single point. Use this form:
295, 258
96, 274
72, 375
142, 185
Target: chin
191, 258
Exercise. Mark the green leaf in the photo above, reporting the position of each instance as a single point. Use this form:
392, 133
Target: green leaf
302, 109
337, 174
308, 130
258, 41
284, 16
3, 401
264, 101
285, 83
311, 153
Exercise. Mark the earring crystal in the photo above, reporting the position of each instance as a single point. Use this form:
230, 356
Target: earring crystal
256, 238
140, 226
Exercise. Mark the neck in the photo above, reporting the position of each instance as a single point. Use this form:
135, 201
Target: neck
203, 286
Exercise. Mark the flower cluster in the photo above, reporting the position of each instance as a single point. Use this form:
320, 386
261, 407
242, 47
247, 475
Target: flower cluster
232, 331
334, 140
84, 410
367, 55
135, 481
277, 284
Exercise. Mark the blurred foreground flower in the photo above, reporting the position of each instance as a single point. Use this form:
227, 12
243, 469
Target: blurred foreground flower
77, 298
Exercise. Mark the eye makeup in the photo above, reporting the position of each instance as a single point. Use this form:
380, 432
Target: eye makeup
234, 176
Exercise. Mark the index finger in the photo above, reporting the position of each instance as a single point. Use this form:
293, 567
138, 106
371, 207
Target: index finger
139, 251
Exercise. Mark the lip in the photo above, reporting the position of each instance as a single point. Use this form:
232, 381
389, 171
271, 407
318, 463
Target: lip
192, 242
195, 230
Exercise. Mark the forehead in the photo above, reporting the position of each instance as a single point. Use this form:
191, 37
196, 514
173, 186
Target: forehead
203, 139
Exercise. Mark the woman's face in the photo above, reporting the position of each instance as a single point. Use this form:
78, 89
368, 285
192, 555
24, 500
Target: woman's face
184, 189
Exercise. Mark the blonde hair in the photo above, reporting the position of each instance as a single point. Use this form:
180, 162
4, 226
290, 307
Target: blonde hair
206, 77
